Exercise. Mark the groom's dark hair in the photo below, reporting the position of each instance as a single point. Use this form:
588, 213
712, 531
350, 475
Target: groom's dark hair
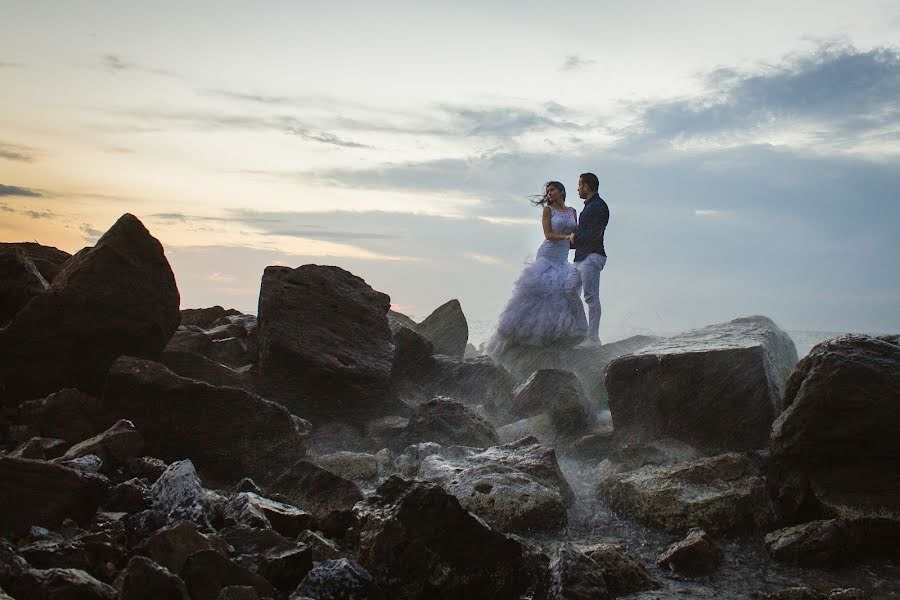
591, 180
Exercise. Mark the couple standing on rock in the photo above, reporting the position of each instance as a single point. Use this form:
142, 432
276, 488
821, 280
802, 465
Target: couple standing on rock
545, 308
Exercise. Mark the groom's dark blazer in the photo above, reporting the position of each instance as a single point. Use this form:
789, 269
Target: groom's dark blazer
592, 224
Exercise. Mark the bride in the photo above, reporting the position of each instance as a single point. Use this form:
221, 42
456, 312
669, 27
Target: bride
543, 310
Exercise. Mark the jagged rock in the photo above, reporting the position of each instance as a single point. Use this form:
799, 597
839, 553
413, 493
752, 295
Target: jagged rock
226, 432
171, 546
40, 448
146, 580
471, 352
416, 540
557, 393
131, 496
232, 352
206, 572
40, 493
248, 508
447, 422
575, 576
67, 414
725, 493
718, 388
516, 487
248, 541
201, 368
324, 344
285, 568
321, 548
836, 442
238, 592
118, 297
50, 584
661, 452
315, 489
697, 554
341, 579
115, 446
20, 281
396, 320
224, 328
179, 495
387, 430
623, 574
446, 328
89, 463
835, 543
189, 339
147, 468
48, 260
205, 317
248, 485
355, 466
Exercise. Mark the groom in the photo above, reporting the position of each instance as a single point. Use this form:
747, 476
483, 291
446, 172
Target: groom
590, 255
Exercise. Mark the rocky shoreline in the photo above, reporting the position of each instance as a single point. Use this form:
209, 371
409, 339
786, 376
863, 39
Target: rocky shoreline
332, 448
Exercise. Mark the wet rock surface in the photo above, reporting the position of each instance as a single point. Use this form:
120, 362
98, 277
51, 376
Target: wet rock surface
446, 422
718, 388
697, 554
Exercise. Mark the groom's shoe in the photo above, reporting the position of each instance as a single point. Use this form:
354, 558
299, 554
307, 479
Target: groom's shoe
588, 344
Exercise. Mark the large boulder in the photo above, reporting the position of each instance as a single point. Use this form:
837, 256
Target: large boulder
447, 329
448, 423
44, 494
118, 297
201, 368
836, 442
48, 260
834, 543
558, 394
623, 574
718, 388
68, 414
228, 433
115, 446
316, 490
514, 487
725, 493
417, 542
575, 576
697, 554
20, 281
325, 347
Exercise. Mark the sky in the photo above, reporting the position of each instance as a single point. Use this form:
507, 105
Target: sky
749, 152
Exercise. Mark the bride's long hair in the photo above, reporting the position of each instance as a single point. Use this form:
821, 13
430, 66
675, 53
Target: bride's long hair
544, 199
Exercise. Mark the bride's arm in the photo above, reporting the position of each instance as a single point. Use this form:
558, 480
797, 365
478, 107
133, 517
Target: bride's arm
548, 228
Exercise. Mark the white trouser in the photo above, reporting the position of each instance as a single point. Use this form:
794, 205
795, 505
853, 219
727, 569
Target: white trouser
588, 271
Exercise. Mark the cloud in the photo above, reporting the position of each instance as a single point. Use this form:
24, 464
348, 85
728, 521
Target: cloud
574, 62
836, 93
217, 277
16, 153
38, 214
325, 138
13, 190
115, 63
5, 208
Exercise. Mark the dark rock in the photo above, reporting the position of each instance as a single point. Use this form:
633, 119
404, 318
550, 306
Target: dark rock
118, 297
836, 543
201, 368
115, 446
231, 352
67, 414
53, 584
247, 541
557, 393
248, 485
321, 547
145, 580
448, 423
226, 331
340, 579
718, 388
575, 576
40, 448
189, 339
315, 489
40, 493
725, 493
836, 442
324, 344
805, 593
697, 554
396, 320
355, 466
623, 574
283, 518
206, 572
89, 463
20, 281
205, 317
130, 496
171, 546
48, 260
145, 467
446, 328
286, 568
238, 592
417, 541
228, 433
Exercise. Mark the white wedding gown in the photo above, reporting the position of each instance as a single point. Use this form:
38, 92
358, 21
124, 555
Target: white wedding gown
539, 313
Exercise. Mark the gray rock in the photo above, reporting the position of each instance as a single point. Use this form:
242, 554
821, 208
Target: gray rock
115, 446
179, 495
340, 579
833, 543
355, 466
145, 580
315, 489
447, 329
575, 576
718, 388
623, 574
447, 422
697, 554
558, 394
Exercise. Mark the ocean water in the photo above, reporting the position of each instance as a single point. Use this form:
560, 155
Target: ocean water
480, 331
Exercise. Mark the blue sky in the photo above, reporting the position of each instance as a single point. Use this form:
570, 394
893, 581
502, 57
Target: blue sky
749, 154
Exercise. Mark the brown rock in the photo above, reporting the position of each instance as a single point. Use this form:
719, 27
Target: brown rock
836, 442
171, 546
205, 317
448, 423
206, 572
201, 368
623, 574
118, 297
557, 393
115, 446
835, 543
575, 576
47, 259
20, 281
67, 414
697, 554
228, 433
39, 493
324, 344
145, 580
315, 489
40, 448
